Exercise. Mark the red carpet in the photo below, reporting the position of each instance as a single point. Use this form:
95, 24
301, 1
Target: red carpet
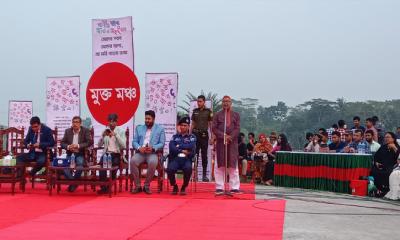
83, 215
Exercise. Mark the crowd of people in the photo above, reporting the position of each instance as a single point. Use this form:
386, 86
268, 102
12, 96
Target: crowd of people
371, 139
235, 156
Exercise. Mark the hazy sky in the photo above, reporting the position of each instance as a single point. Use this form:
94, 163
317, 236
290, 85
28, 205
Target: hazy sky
288, 50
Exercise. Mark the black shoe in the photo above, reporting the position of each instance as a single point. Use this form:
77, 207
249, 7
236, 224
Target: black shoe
219, 192
205, 179
183, 191
72, 188
235, 191
147, 190
136, 190
175, 190
101, 192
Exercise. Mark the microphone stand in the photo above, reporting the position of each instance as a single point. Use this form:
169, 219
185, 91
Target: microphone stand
226, 192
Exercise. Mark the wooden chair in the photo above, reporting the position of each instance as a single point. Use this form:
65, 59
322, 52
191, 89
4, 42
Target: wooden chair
160, 170
122, 164
88, 160
193, 178
12, 142
50, 152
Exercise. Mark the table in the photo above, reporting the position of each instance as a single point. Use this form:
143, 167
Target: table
12, 177
55, 178
321, 171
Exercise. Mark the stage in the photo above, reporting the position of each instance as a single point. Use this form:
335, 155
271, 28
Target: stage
84, 215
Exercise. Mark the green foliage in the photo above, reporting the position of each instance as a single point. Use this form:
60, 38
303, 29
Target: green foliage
295, 122
87, 122
215, 101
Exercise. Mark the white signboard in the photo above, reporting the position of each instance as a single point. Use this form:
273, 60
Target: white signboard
62, 102
161, 97
20, 114
112, 41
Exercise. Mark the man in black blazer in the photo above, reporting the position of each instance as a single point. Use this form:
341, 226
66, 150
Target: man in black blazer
76, 139
38, 139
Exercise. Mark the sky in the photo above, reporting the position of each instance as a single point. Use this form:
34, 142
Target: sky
272, 50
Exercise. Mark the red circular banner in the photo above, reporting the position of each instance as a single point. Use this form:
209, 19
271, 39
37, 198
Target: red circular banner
113, 88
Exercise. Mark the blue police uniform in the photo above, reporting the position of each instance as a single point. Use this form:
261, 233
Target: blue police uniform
180, 161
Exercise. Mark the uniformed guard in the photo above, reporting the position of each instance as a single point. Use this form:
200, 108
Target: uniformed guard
182, 148
201, 123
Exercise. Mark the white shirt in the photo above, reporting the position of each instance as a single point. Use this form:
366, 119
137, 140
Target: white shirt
374, 146
75, 139
112, 146
147, 137
38, 142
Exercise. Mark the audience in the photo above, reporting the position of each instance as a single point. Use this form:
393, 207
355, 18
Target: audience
342, 129
348, 137
314, 145
369, 137
359, 145
357, 124
273, 139
369, 123
309, 138
243, 153
384, 160
337, 145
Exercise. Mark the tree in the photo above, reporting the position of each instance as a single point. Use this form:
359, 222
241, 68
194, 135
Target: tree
215, 101
87, 122
247, 109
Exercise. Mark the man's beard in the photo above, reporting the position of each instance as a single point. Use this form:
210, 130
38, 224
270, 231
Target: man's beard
149, 124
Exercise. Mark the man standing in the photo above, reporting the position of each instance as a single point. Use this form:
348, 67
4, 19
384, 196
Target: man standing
369, 137
114, 141
226, 127
369, 123
147, 141
76, 139
181, 152
357, 124
342, 129
38, 139
201, 124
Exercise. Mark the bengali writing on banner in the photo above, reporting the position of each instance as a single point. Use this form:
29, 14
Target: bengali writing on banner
193, 105
161, 97
20, 114
62, 102
112, 41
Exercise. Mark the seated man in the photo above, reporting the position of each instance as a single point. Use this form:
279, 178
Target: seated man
38, 139
147, 140
182, 148
337, 145
114, 141
76, 139
369, 137
358, 145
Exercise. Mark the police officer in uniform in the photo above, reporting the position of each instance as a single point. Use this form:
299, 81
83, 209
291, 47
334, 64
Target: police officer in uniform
201, 123
182, 148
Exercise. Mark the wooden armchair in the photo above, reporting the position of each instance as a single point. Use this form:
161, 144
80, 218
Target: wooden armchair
50, 152
160, 170
122, 164
193, 178
11, 142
